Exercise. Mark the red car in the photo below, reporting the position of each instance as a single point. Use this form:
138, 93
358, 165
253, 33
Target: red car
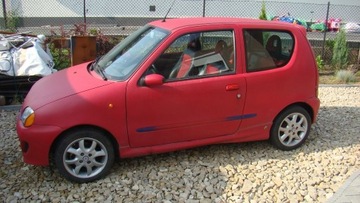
171, 85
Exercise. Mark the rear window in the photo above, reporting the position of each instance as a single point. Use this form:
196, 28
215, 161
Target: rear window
267, 49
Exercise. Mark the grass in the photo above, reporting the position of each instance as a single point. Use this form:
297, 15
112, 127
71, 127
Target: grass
330, 78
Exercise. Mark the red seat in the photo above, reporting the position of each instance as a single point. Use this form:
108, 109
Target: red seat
210, 69
186, 63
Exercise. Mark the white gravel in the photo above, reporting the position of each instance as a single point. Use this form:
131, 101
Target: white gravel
247, 172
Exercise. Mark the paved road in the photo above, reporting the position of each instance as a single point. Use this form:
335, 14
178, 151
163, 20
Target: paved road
331, 35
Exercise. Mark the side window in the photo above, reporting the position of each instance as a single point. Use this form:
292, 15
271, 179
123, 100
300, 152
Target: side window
197, 55
267, 49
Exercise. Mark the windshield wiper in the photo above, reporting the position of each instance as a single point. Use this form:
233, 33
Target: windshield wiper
102, 73
93, 65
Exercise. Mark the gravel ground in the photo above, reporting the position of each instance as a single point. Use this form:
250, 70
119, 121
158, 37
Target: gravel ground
247, 172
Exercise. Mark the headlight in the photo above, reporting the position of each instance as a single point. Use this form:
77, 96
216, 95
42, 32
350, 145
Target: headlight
27, 117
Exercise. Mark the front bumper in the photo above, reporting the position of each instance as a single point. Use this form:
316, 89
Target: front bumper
36, 141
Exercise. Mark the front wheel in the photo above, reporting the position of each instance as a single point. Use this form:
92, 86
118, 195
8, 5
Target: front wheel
83, 156
290, 128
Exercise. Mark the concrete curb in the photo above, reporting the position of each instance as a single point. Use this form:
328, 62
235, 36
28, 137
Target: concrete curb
10, 108
349, 192
339, 85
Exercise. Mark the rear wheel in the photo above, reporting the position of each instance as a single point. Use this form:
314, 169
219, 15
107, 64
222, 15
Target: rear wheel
83, 156
290, 128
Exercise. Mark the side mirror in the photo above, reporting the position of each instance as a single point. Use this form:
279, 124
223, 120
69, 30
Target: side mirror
152, 80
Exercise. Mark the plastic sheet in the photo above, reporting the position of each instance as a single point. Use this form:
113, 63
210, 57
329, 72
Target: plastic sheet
26, 56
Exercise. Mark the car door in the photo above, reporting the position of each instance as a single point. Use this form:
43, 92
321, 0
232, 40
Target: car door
272, 82
199, 104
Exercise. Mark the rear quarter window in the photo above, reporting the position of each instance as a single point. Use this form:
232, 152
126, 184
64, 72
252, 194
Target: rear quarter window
267, 49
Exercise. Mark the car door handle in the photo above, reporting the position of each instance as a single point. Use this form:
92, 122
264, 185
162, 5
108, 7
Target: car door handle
232, 87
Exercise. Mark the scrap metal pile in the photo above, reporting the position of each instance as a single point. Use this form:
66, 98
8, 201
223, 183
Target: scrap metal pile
23, 61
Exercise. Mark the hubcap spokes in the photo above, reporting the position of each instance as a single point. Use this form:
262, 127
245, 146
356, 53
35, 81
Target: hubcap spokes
293, 129
85, 158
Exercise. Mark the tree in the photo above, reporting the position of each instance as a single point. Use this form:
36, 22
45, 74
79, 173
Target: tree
263, 11
340, 51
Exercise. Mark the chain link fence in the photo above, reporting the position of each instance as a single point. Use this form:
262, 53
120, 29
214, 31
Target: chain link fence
118, 18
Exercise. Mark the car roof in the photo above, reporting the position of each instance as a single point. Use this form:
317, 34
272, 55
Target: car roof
176, 23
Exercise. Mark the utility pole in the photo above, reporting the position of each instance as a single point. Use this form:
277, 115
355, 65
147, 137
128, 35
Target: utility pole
4, 13
204, 8
324, 39
85, 14
84, 11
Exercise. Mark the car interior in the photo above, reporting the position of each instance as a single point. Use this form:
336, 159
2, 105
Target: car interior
265, 50
199, 58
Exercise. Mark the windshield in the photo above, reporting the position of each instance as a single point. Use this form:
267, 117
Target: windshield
125, 57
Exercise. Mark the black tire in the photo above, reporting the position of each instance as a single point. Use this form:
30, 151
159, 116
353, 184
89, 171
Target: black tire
290, 128
84, 155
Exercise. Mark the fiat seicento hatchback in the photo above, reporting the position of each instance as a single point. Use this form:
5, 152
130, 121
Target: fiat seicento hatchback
172, 85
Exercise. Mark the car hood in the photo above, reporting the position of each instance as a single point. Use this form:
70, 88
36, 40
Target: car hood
63, 84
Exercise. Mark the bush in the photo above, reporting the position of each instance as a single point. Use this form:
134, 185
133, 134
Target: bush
329, 43
345, 76
340, 52
357, 74
60, 48
12, 20
61, 57
320, 62
104, 43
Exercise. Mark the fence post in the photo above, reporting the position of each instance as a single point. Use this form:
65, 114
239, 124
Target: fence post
358, 59
324, 39
85, 14
204, 8
4, 13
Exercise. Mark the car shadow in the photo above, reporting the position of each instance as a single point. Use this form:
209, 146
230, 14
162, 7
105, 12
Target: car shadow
239, 171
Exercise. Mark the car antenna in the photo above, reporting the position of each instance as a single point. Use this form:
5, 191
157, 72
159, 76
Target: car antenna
168, 11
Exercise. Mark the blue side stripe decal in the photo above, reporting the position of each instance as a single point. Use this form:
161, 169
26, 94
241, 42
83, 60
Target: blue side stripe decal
240, 117
146, 129
230, 118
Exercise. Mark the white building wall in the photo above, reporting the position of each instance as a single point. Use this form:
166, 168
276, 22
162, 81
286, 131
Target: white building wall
183, 8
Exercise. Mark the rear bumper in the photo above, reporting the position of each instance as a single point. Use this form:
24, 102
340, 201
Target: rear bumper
36, 142
315, 105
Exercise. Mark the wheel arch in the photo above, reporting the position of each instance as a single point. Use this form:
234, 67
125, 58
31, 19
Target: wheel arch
291, 139
304, 105
108, 135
